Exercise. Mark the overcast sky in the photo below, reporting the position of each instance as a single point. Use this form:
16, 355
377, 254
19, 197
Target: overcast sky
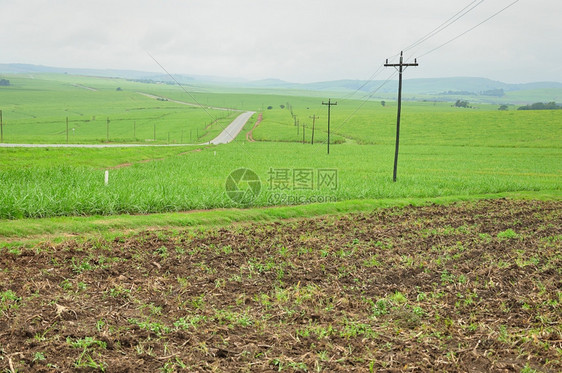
293, 40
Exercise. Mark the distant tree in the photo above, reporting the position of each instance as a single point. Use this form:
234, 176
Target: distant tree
503, 108
462, 103
541, 106
282, 106
383, 103
119, 89
4, 82
269, 107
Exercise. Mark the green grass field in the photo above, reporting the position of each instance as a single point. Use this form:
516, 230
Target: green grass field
313, 262
423, 123
35, 110
445, 151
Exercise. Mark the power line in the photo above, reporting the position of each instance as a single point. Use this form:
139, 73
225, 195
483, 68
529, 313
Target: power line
181, 86
369, 96
224, 128
461, 13
371, 78
445, 24
434, 32
470, 29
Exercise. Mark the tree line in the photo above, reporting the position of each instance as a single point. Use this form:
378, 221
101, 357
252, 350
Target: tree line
541, 106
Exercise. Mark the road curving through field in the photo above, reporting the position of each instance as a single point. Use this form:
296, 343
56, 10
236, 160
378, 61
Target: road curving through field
226, 136
233, 129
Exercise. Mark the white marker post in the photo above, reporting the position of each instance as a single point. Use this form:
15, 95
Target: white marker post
106, 179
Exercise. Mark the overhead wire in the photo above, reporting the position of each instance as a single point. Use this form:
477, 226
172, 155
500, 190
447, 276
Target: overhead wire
420, 41
224, 128
369, 96
180, 85
365, 83
457, 16
470, 29
464, 11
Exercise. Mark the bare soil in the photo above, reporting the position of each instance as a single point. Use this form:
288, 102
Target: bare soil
468, 287
250, 133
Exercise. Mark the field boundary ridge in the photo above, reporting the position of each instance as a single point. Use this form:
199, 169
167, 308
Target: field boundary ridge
20, 231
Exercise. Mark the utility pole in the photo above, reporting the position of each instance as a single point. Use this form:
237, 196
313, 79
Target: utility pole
303, 138
314, 117
108, 129
401, 67
298, 128
330, 104
1, 128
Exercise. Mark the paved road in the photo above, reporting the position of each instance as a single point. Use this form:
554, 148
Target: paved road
226, 136
233, 129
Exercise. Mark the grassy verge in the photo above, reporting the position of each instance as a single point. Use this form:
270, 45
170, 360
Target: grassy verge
17, 232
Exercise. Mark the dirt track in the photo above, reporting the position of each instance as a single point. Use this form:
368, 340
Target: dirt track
250, 133
468, 287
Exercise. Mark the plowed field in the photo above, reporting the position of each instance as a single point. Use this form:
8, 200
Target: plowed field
465, 287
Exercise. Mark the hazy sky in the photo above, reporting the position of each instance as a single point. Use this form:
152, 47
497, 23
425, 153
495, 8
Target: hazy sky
293, 40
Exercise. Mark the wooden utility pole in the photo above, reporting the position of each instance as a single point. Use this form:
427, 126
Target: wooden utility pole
330, 104
303, 138
400, 67
314, 117
108, 129
1, 128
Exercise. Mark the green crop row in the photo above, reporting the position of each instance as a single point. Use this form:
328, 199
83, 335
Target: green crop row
288, 173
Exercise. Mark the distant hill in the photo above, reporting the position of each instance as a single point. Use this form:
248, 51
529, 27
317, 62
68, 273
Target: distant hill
428, 85
446, 89
18, 68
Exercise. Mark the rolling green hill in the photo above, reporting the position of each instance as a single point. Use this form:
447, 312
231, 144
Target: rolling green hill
472, 88
445, 150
